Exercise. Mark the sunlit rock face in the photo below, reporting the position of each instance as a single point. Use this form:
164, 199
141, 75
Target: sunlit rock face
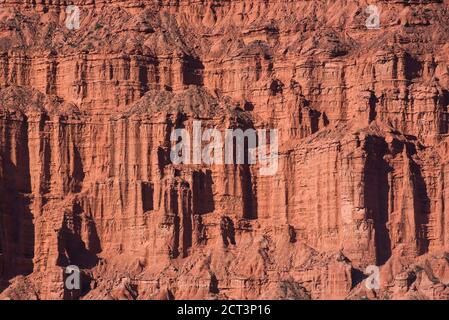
86, 178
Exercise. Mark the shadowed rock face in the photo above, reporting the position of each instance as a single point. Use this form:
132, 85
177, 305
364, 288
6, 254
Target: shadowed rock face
85, 171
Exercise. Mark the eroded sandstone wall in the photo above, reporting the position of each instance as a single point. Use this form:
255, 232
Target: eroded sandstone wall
86, 176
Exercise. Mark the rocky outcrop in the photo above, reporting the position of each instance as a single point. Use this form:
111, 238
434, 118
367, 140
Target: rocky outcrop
86, 177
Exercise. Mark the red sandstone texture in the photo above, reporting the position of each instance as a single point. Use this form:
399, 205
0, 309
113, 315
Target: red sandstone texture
86, 179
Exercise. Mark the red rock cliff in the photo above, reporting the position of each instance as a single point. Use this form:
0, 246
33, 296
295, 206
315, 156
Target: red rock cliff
86, 178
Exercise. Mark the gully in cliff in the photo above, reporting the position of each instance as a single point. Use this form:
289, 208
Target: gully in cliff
255, 142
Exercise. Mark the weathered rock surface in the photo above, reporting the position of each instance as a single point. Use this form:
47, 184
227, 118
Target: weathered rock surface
86, 177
